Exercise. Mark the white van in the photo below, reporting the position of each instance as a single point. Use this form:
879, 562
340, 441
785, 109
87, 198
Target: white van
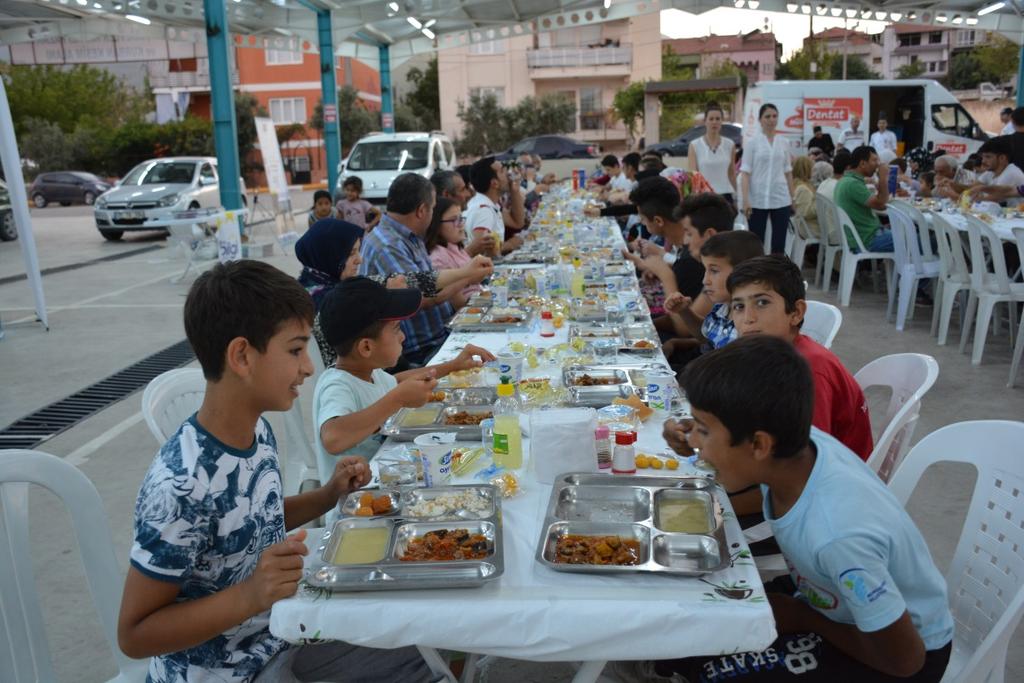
378, 158
921, 112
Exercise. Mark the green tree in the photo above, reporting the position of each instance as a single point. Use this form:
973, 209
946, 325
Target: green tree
67, 96
488, 127
965, 71
727, 69
798, 66
856, 69
628, 107
998, 59
424, 100
45, 144
912, 70
354, 120
247, 108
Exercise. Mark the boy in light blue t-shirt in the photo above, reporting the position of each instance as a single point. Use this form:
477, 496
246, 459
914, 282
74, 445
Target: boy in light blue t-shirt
869, 604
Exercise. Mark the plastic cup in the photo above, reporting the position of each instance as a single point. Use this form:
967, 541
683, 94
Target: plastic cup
659, 389
436, 454
398, 476
500, 293
510, 364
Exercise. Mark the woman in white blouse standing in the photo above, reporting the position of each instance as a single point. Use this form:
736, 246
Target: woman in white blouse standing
766, 180
714, 156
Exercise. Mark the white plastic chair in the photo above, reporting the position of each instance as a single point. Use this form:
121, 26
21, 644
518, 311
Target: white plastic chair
830, 248
1018, 349
24, 650
170, 399
194, 242
912, 265
909, 376
989, 286
304, 467
954, 274
986, 578
848, 267
802, 237
822, 322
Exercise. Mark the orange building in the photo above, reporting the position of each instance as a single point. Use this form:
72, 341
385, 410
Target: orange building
287, 85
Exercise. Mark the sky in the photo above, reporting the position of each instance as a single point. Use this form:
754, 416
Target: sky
789, 29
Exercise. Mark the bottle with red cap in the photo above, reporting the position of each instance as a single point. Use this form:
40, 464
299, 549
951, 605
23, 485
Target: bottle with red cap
624, 456
547, 324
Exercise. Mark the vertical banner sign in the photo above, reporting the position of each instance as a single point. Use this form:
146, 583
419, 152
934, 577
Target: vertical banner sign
271, 151
229, 238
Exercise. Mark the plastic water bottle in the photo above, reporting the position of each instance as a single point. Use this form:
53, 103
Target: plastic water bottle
508, 434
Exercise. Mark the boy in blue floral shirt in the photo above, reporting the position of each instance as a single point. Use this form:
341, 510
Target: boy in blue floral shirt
210, 555
719, 254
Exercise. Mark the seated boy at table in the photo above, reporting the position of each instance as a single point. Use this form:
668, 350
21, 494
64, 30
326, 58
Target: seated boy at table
210, 555
719, 254
869, 603
360, 320
768, 297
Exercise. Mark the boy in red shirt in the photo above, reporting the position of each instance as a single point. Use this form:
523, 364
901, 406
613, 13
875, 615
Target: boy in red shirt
768, 297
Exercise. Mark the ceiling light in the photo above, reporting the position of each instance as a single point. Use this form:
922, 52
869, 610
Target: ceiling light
836, 11
137, 19
895, 16
753, 4
428, 33
866, 14
738, 4
972, 21
880, 16
941, 18
83, 3
820, 9
957, 19
911, 15
806, 9
415, 22
393, 6
850, 13
430, 23
97, 5
791, 8
607, 4
994, 7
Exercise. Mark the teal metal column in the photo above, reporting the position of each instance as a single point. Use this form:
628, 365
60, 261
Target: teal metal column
329, 86
225, 130
387, 107
1020, 78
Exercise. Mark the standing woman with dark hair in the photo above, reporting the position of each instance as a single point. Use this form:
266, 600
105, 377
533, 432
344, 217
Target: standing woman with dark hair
770, 196
714, 156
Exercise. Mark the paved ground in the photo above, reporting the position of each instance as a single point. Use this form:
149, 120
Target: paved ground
110, 314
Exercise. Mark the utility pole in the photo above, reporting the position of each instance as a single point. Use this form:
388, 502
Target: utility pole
810, 45
846, 30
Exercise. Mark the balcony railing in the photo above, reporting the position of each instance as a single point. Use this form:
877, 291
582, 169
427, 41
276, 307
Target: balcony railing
555, 57
184, 79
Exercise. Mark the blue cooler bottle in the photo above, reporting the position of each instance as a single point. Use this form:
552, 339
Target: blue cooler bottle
894, 172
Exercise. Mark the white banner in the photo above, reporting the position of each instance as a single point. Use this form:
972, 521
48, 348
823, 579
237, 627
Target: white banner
229, 238
271, 151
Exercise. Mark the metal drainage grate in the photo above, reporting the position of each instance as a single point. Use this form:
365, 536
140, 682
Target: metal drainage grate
32, 430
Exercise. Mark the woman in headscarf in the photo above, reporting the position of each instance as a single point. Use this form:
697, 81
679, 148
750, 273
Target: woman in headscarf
329, 253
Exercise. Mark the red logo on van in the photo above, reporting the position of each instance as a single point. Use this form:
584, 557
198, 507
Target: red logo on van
954, 148
832, 109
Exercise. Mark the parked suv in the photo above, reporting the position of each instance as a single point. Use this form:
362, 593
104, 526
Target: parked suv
551, 147
8, 231
66, 187
378, 158
680, 146
149, 195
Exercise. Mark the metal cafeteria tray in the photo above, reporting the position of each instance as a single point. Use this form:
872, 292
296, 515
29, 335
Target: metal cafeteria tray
530, 256
487, 324
639, 331
630, 348
584, 313
631, 508
600, 394
594, 331
390, 572
408, 423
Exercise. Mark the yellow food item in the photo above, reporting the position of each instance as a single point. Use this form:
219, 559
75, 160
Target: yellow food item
683, 516
642, 462
364, 511
365, 499
656, 463
672, 464
359, 546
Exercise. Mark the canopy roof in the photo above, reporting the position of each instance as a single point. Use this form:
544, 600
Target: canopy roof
415, 26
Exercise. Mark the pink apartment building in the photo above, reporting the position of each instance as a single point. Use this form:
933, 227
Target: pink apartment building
587, 64
756, 52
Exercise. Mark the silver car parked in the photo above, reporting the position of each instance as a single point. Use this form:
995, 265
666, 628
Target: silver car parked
152, 192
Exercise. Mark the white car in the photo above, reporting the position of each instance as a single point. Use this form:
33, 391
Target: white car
152, 192
378, 158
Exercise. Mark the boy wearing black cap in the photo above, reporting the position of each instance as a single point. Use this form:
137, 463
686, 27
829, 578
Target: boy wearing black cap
360, 319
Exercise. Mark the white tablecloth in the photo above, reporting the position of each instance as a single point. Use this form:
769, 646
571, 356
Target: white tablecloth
1002, 227
535, 613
